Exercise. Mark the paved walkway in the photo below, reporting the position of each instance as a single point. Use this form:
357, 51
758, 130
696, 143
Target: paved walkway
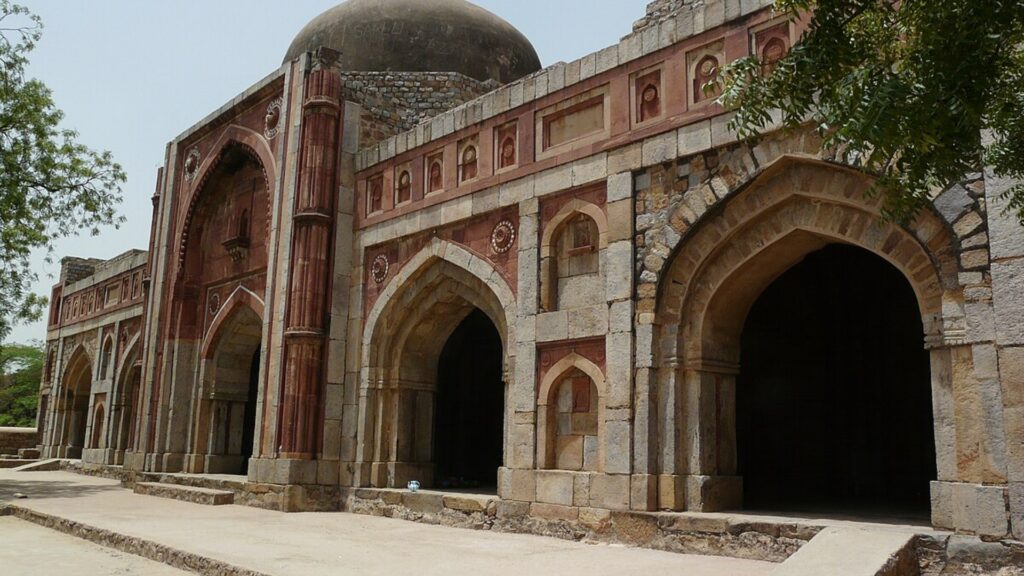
30, 550
311, 544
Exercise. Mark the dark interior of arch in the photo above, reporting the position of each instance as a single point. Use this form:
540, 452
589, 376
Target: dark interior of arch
469, 418
249, 417
834, 410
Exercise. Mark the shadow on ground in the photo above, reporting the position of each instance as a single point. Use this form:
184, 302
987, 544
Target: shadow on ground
39, 490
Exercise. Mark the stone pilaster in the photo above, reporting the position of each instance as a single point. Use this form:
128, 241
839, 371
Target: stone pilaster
313, 219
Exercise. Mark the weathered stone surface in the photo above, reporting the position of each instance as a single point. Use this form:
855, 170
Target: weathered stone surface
878, 553
1008, 299
610, 491
555, 487
191, 494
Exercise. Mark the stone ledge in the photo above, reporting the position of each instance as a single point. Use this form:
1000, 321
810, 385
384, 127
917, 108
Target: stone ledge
206, 496
130, 544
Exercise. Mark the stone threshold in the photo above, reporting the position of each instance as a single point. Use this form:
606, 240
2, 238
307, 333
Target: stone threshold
130, 544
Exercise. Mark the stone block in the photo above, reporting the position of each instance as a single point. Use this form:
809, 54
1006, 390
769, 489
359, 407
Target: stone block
610, 491
597, 519
553, 180
694, 138
1008, 300
513, 509
625, 158
980, 509
423, 502
942, 505
620, 186
552, 326
721, 135
953, 203
569, 452
466, 503
696, 523
619, 352
523, 485
588, 322
635, 529
555, 487
643, 492
617, 447
581, 489
713, 493
619, 275
620, 220
1017, 510
590, 169
1006, 235
554, 512
328, 472
671, 492
591, 453
658, 149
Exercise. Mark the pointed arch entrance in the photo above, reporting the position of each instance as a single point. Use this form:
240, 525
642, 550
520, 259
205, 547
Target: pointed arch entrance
225, 402
833, 395
77, 385
434, 395
719, 287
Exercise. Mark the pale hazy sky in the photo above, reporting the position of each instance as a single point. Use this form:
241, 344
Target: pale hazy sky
133, 74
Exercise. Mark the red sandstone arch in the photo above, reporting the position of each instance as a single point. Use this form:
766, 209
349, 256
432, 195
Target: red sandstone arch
256, 146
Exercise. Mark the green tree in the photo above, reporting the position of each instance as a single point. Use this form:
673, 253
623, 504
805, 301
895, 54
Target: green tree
905, 89
51, 186
21, 371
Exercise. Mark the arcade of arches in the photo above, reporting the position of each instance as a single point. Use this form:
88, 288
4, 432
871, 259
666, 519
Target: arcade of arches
580, 292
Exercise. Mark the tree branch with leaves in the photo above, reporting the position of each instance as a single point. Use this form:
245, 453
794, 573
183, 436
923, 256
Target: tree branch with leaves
51, 186
922, 93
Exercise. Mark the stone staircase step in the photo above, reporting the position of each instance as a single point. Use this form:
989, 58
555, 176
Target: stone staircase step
191, 494
49, 465
29, 453
12, 462
842, 551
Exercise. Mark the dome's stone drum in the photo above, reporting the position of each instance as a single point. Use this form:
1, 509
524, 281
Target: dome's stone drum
420, 36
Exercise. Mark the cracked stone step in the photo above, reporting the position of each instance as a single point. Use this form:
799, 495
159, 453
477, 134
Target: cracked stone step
191, 494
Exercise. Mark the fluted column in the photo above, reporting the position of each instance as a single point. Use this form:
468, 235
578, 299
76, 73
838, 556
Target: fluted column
308, 307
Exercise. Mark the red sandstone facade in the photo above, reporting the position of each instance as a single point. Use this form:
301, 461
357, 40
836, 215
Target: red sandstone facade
544, 289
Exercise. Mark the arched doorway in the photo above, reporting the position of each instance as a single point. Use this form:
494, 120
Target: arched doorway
833, 395
77, 395
225, 422
470, 406
721, 270
433, 378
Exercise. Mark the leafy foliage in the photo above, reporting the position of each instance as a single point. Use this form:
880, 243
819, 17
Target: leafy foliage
21, 370
51, 186
921, 92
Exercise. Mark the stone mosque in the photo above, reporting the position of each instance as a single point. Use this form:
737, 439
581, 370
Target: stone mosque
410, 253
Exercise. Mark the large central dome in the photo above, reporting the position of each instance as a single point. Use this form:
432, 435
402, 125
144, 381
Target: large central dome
420, 36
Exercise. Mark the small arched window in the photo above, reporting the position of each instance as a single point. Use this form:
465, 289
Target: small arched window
774, 50
108, 357
375, 200
435, 176
468, 166
404, 191
704, 75
97, 427
507, 154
